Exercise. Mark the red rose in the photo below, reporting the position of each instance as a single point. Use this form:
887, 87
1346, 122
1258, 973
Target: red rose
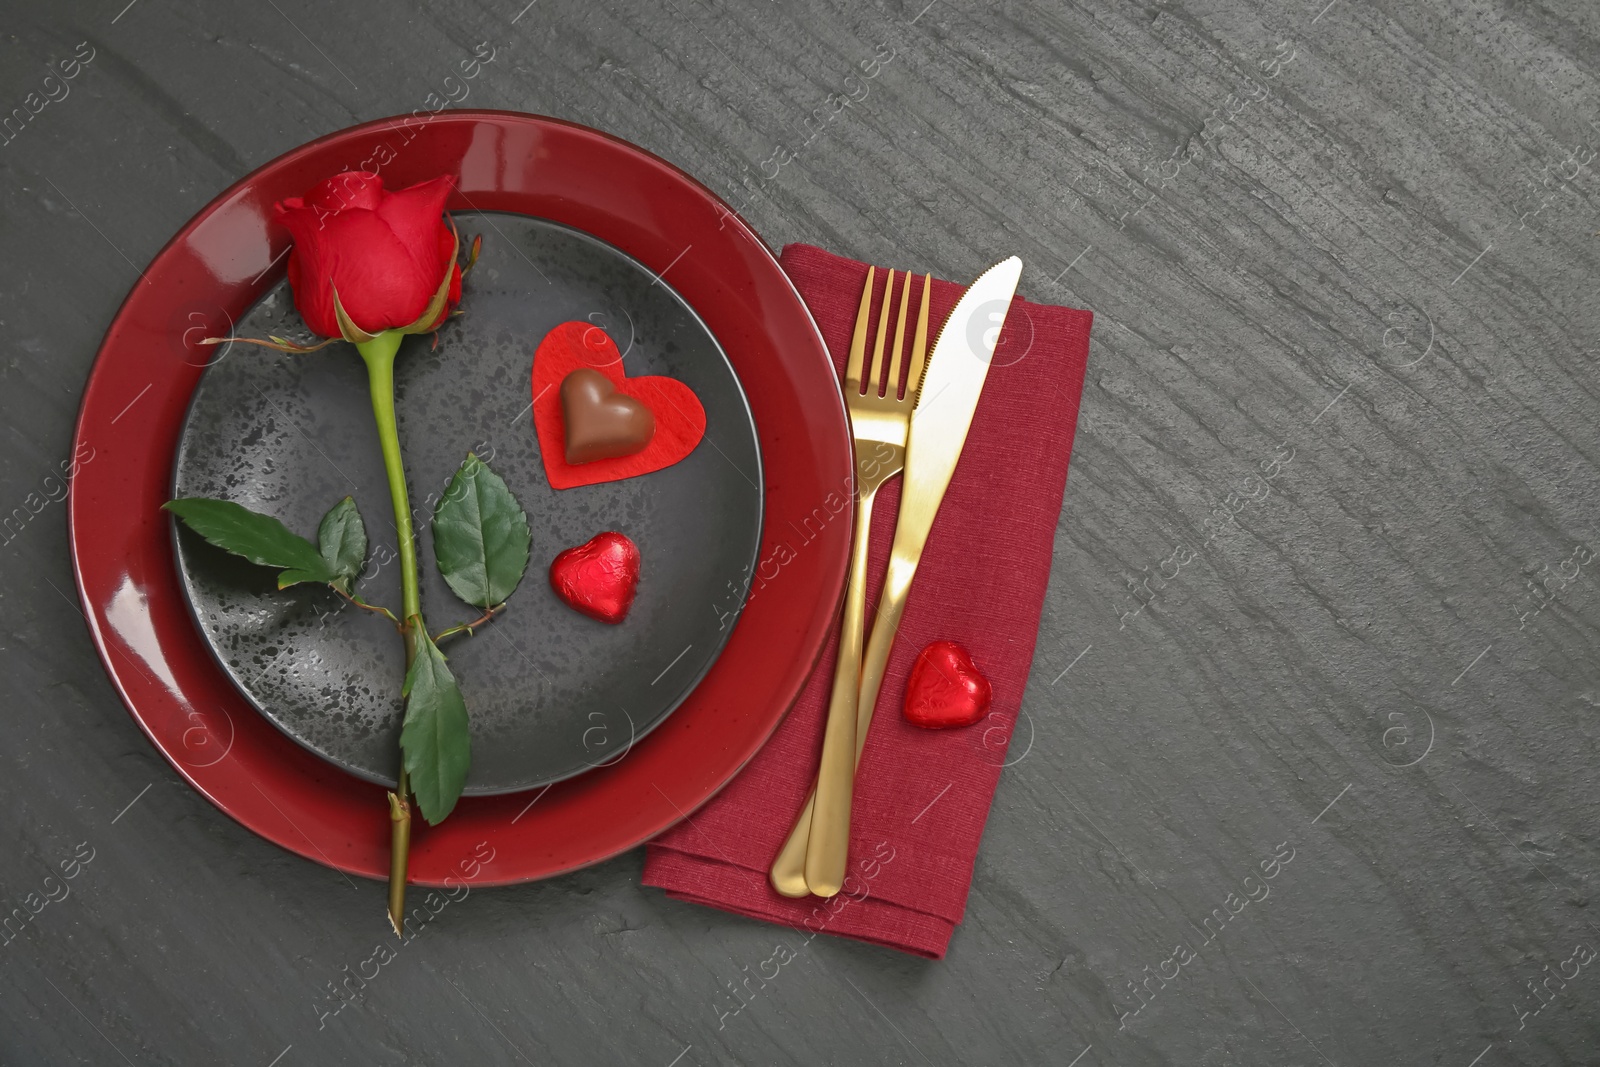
385, 254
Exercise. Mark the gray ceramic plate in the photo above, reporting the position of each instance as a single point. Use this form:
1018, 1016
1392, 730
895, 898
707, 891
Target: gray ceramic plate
551, 692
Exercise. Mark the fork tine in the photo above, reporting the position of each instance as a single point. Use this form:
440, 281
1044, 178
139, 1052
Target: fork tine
891, 386
858, 343
919, 343
883, 334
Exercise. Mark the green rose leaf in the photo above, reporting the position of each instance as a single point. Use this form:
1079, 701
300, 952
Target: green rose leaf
435, 738
480, 536
258, 538
342, 540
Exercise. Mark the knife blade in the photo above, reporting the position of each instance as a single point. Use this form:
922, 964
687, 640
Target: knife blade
952, 381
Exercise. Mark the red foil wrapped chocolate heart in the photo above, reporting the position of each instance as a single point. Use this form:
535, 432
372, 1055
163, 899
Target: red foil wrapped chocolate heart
946, 688
599, 577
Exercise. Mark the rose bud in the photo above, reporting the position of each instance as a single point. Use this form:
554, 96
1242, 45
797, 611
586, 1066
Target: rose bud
385, 260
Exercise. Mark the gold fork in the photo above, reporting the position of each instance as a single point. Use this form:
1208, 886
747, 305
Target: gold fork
814, 857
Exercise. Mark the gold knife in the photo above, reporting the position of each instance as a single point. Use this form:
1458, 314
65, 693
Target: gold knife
952, 382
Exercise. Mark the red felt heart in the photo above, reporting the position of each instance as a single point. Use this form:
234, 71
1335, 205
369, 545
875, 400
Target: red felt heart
946, 688
680, 420
598, 577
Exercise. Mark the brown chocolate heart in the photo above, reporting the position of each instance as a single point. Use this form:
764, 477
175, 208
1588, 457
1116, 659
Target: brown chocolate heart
602, 423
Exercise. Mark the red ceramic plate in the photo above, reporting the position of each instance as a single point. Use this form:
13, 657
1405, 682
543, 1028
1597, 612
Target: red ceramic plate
221, 263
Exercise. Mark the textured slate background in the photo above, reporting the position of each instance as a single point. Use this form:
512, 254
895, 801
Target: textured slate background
1360, 236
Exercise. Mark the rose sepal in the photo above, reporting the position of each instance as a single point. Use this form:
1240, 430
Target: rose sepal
434, 316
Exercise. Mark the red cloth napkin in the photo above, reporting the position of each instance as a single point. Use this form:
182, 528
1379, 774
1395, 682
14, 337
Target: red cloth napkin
921, 795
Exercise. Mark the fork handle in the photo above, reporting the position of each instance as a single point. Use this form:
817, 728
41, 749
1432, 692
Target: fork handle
789, 869
885, 625
827, 853
789, 875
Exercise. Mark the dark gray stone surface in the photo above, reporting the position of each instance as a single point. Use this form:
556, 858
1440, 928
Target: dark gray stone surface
1353, 243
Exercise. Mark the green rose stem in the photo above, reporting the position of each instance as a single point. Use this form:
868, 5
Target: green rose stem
379, 354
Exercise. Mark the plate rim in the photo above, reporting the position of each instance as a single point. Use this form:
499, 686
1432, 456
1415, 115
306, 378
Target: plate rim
426, 858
